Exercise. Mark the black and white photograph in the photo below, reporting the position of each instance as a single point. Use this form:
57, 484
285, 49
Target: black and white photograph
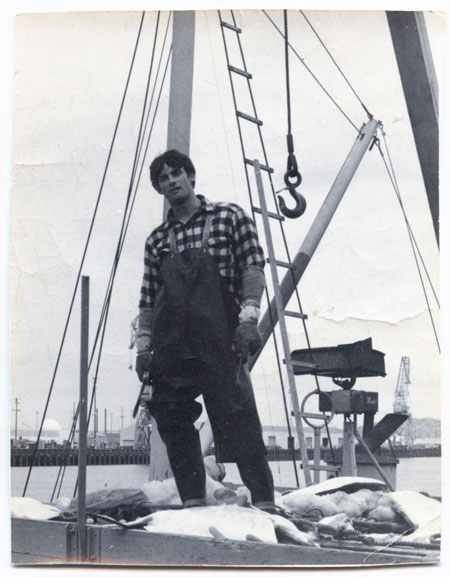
224, 278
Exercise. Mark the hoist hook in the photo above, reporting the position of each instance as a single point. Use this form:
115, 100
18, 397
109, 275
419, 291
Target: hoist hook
292, 179
300, 205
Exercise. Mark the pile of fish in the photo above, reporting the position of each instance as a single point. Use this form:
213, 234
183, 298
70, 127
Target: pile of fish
352, 508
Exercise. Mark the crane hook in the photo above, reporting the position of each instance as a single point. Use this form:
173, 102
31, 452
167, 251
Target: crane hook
300, 202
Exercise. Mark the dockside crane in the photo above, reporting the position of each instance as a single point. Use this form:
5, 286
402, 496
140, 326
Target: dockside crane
405, 434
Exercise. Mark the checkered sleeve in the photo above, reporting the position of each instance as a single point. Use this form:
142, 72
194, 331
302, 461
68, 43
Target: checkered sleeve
150, 279
247, 249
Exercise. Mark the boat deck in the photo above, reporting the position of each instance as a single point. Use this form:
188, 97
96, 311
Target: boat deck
55, 542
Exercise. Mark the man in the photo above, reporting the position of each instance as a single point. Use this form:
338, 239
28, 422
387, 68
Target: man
199, 308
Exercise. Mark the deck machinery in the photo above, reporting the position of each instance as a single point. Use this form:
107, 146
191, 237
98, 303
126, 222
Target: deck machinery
344, 364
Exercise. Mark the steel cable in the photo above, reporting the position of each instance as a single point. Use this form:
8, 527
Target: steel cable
84, 254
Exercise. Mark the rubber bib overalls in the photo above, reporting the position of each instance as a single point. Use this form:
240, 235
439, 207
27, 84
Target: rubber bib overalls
193, 327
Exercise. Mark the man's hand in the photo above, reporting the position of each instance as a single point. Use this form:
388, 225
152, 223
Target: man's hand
247, 340
144, 363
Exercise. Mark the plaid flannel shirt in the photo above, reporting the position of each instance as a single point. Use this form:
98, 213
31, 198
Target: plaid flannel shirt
233, 244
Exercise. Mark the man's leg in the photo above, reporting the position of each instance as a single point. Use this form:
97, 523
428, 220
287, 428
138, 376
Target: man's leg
257, 477
175, 420
238, 435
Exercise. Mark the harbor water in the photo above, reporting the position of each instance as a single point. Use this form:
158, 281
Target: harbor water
417, 474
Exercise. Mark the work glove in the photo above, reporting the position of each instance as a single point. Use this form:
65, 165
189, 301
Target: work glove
247, 340
144, 364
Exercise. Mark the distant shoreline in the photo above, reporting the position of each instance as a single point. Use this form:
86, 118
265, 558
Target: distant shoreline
131, 456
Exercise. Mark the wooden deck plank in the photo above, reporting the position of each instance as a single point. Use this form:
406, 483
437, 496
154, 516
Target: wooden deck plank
51, 542
48, 540
134, 547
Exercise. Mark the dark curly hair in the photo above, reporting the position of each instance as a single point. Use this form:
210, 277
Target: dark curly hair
174, 159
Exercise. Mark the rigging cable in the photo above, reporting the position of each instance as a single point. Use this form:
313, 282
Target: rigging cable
127, 215
397, 188
241, 139
286, 246
410, 234
313, 75
337, 65
121, 244
33, 457
292, 177
277, 353
283, 234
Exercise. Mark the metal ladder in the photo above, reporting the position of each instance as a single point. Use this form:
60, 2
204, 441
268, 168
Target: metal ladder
282, 322
253, 119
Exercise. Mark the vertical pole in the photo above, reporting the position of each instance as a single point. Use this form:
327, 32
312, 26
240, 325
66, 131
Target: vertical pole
16, 402
348, 449
283, 329
82, 441
95, 414
316, 455
178, 136
181, 82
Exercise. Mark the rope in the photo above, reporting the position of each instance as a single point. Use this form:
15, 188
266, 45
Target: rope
84, 255
127, 215
313, 75
406, 218
410, 234
337, 65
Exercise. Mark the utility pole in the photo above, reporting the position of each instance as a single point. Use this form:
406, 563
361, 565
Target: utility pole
121, 417
16, 410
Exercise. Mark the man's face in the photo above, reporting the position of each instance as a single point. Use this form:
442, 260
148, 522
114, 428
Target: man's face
175, 184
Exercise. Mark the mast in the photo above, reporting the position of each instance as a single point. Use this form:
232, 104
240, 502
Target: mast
415, 64
178, 136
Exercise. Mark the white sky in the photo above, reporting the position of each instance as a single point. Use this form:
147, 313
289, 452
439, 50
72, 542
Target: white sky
362, 281
69, 76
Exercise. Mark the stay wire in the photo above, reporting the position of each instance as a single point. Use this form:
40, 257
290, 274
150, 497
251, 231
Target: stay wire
337, 65
122, 241
104, 313
283, 234
118, 250
397, 192
314, 76
241, 139
33, 457
397, 188
127, 204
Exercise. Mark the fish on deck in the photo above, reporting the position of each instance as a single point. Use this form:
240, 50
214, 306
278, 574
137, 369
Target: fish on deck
226, 522
28, 508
